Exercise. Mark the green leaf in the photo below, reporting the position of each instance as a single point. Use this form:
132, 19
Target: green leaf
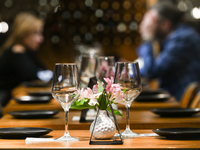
82, 104
102, 102
124, 90
116, 112
100, 87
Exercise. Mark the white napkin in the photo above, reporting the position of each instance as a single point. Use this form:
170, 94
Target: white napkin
30, 140
148, 134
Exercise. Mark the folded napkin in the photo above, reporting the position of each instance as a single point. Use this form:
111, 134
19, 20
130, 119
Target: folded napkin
140, 135
30, 140
148, 134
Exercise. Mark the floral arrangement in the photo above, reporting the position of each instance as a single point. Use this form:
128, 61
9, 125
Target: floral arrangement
91, 98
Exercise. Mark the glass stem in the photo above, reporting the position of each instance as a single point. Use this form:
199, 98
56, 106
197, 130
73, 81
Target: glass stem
66, 122
127, 117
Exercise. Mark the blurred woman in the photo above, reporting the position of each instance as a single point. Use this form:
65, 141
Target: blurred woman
18, 61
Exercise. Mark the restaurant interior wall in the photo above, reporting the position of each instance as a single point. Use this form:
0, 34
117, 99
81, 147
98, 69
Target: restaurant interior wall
112, 26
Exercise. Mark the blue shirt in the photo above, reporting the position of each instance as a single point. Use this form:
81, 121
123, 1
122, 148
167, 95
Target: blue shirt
178, 63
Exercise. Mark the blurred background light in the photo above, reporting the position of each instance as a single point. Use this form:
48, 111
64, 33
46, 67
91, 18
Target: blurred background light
182, 6
42, 2
195, 13
98, 13
88, 3
3, 27
54, 3
8, 3
121, 27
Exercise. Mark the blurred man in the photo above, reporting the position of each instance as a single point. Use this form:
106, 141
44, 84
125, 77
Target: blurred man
178, 61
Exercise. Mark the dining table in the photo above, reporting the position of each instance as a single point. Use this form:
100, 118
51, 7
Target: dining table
142, 120
136, 143
53, 104
141, 116
138, 120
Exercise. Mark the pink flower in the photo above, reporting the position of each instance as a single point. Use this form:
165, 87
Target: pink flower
88, 93
119, 98
115, 88
80, 92
109, 83
95, 88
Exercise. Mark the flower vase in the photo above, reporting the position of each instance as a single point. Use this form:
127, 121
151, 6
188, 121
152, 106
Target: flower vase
104, 128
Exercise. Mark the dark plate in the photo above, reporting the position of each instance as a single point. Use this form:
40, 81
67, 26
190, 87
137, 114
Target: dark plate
153, 98
36, 84
33, 99
176, 112
23, 132
151, 92
40, 94
33, 114
179, 133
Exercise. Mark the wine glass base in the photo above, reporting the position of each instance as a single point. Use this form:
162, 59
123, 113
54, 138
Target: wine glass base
67, 138
129, 133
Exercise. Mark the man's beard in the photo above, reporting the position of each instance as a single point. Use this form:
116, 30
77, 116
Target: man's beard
159, 35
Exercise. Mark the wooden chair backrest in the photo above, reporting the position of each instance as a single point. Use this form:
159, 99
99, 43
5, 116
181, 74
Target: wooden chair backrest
189, 94
196, 101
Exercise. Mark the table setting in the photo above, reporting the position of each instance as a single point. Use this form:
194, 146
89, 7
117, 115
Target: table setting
115, 100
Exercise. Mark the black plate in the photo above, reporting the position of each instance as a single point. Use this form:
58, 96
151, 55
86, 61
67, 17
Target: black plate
23, 132
176, 112
36, 84
33, 114
33, 99
153, 98
179, 133
40, 94
151, 92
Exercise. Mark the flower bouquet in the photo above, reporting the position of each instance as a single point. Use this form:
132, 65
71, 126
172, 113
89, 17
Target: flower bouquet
101, 97
97, 98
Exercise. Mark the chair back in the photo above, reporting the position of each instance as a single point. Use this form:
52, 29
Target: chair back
196, 101
189, 94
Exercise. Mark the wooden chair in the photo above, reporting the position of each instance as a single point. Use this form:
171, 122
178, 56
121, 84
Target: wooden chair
196, 101
189, 94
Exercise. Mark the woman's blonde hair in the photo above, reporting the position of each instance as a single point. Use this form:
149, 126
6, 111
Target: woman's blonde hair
24, 24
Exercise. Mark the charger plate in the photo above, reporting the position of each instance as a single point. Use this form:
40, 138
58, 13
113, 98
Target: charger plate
40, 94
33, 114
175, 112
33, 99
179, 133
23, 132
153, 98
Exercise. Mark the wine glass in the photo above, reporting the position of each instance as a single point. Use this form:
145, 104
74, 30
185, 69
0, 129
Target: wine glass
65, 83
105, 67
86, 70
127, 75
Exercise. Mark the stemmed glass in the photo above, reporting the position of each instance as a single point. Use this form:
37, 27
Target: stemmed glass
86, 70
65, 83
127, 75
105, 67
